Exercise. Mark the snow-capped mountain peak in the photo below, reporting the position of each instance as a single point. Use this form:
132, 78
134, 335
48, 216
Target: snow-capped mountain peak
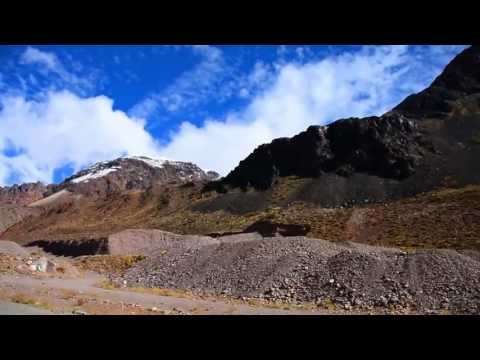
134, 172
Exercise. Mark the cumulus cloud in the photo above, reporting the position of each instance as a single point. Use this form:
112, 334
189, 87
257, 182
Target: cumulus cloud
65, 130
359, 83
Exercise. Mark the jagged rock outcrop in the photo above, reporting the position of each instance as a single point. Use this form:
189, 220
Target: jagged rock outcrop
23, 194
460, 78
386, 146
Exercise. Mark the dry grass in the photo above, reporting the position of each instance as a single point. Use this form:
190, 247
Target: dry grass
107, 285
447, 218
67, 294
107, 264
20, 298
177, 293
23, 299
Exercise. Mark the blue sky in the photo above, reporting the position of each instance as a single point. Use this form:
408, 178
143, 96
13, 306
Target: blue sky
63, 108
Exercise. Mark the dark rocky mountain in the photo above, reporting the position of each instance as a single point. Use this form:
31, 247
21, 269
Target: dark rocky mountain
459, 80
429, 140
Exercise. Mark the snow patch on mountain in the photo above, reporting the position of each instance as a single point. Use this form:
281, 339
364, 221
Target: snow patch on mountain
94, 174
158, 162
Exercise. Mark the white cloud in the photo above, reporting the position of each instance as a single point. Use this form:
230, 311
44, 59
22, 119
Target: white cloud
49, 60
213, 79
190, 88
65, 129
351, 84
50, 63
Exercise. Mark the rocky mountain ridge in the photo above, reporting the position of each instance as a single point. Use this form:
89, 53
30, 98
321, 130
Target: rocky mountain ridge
133, 173
106, 177
23, 194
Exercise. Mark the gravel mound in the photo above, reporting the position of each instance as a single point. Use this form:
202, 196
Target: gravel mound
300, 269
11, 248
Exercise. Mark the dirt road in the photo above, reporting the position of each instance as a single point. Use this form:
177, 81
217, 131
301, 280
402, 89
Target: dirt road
10, 308
83, 296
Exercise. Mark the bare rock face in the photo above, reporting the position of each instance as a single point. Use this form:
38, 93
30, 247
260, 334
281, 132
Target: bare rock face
23, 194
459, 79
388, 147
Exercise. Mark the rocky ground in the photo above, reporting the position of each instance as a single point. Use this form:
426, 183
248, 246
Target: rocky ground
33, 282
244, 273
302, 270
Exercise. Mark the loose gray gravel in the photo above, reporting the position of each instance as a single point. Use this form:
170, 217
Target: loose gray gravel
300, 269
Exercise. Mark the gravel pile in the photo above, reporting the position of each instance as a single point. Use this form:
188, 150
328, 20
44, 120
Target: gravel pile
300, 269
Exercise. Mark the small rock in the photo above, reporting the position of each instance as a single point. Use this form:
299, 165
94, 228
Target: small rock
51, 266
79, 312
40, 265
331, 281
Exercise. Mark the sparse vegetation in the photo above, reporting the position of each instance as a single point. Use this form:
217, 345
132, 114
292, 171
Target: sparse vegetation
20, 298
178, 293
107, 264
107, 285
23, 299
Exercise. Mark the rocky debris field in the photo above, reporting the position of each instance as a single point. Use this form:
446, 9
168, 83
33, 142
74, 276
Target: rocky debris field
293, 271
298, 269
15, 259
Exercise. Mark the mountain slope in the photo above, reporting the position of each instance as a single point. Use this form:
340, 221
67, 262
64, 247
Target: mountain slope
431, 139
